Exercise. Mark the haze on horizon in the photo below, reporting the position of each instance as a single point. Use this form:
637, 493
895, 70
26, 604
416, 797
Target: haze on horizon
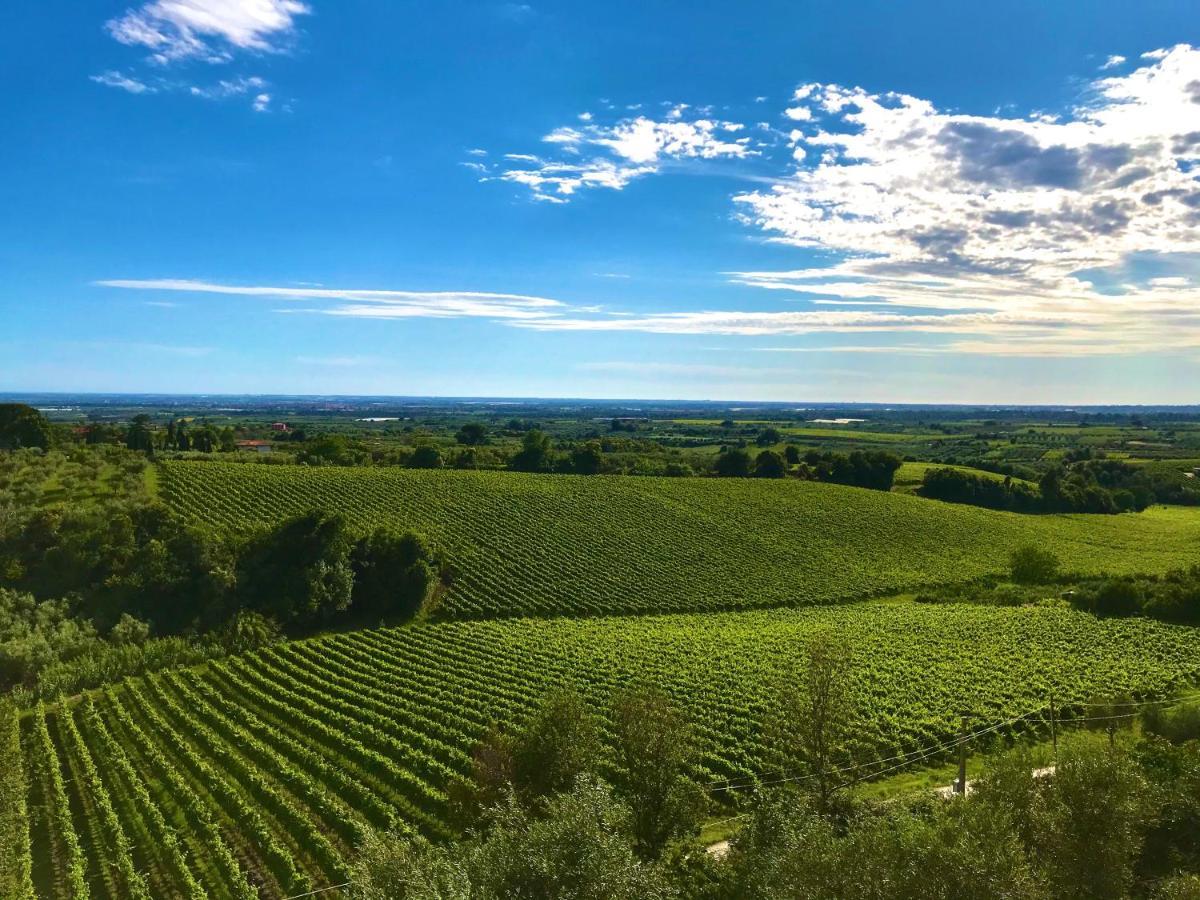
868, 203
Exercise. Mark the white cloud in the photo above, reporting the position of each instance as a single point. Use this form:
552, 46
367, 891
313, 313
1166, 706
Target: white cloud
232, 87
262, 102
1113, 61
115, 79
611, 156
1003, 216
375, 304
210, 30
1076, 235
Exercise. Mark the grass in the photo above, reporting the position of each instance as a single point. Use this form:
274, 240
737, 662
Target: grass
911, 474
571, 545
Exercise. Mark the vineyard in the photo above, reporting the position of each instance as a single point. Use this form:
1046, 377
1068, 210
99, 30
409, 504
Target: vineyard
256, 775
549, 545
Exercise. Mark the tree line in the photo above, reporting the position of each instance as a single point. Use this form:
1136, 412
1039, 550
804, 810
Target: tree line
1036, 577
1085, 484
116, 586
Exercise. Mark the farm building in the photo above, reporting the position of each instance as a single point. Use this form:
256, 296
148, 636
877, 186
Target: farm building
255, 446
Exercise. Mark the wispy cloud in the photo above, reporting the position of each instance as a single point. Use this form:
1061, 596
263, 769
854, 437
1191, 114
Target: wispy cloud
228, 87
1113, 62
115, 79
373, 304
1075, 235
210, 30
214, 31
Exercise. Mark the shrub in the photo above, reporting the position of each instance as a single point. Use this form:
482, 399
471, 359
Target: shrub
1032, 565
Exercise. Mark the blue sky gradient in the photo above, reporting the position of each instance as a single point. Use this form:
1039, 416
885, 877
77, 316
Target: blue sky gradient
158, 155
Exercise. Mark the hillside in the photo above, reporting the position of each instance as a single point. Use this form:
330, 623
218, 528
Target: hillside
269, 766
554, 544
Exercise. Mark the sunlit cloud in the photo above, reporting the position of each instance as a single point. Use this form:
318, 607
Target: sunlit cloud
210, 30
595, 155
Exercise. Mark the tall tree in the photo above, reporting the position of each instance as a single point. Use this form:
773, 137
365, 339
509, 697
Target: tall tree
23, 426
653, 744
813, 716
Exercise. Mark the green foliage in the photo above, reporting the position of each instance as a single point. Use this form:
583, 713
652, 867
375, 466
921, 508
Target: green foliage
734, 462
875, 469
247, 630
16, 874
23, 426
406, 867
813, 715
654, 747
579, 849
768, 437
35, 635
473, 434
306, 744
769, 464
129, 630
1087, 824
535, 454
534, 546
956, 486
393, 573
558, 745
299, 573
1033, 565
587, 460
1177, 724
950, 851
427, 456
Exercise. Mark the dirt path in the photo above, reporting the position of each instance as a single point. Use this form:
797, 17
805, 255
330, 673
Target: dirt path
951, 790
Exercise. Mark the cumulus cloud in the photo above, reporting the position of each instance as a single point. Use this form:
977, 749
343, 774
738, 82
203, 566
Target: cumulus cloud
593, 155
1001, 216
1069, 235
209, 30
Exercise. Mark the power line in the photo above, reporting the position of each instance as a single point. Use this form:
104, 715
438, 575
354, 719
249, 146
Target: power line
914, 756
332, 887
905, 758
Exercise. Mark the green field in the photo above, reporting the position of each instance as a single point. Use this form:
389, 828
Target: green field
556, 544
910, 475
262, 771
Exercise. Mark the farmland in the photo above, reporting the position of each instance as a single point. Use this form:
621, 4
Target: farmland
261, 772
546, 545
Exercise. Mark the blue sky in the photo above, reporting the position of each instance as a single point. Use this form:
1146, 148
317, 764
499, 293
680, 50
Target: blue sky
789, 201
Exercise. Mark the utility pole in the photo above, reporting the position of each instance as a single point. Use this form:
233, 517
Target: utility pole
1054, 726
961, 787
